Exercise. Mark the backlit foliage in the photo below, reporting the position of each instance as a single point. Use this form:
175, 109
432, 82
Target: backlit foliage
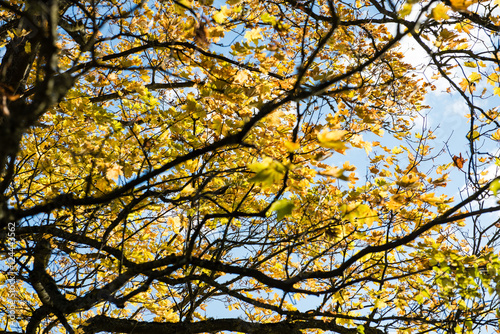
249, 166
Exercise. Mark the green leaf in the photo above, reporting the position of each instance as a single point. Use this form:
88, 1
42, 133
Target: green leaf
267, 171
494, 186
468, 324
283, 207
266, 18
265, 176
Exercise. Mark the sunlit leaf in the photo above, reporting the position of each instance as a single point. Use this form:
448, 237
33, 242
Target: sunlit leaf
439, 12
283, 207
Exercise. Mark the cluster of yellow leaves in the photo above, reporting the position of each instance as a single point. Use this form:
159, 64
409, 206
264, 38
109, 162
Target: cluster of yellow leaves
89, 147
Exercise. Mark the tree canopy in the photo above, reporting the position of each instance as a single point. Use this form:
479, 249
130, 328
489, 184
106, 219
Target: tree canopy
180, 166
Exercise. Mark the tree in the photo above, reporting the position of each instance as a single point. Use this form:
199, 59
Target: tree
162, 161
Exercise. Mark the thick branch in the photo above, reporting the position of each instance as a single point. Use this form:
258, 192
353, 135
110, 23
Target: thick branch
107, 324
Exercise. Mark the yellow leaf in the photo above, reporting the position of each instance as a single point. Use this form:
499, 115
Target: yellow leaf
333, 139
397, 150
356, 212
493, 78
405, 10
368, 147
267, 172
474, 77
334, 172
292, 147
217, 124
170, 316
467, 86
440, 182
394, 203
439, 12
221, 15
241, 77
348, 167
182, 5
335, 135
431, 198
463, 26
253, 35
408, 181
460, 5
114, 172
189, 189
496, 135
379, 303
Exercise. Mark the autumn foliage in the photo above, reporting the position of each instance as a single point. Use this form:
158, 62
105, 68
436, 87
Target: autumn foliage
248, 166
